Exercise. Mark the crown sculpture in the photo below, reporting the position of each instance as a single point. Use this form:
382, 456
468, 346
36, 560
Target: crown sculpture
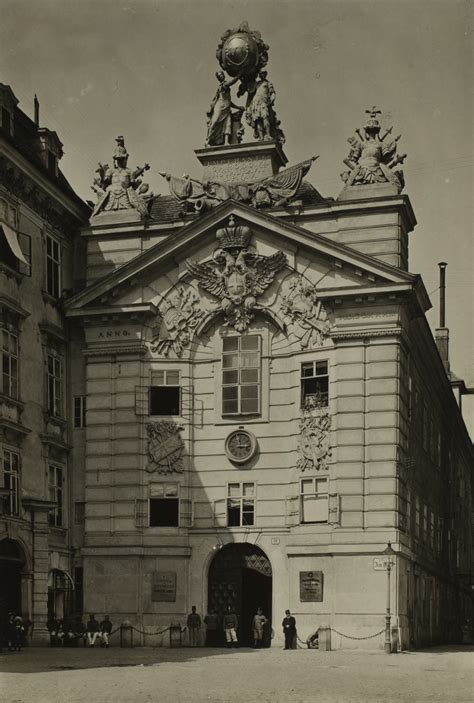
120, 188
237, 276
371, 159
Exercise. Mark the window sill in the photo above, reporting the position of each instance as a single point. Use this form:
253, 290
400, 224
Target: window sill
12, 402
51, 299
11, 273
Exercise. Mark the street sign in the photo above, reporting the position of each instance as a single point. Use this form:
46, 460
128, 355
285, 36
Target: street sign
380, 563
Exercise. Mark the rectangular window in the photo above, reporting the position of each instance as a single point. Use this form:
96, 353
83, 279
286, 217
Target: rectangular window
425, 523
164, 505
6, 121
53, 267
417, 517
55, 484
54, 382
9, 382
79, 512
432, 529
165, 393
241, 375
240, 504
11, 482
439, 535
79, 411
314, 384
314, 500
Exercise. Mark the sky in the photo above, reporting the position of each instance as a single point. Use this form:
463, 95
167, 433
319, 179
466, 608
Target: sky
146, 69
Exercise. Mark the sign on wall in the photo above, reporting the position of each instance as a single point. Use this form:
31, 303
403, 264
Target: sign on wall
380, 563
311, 586
163, 586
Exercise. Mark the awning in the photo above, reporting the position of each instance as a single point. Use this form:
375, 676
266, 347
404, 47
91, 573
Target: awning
12, 240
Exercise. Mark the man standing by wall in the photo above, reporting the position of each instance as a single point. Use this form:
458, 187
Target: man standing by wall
194, 626
289, 630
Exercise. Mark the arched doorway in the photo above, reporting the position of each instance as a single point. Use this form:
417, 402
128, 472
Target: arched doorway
12, 563
240, 575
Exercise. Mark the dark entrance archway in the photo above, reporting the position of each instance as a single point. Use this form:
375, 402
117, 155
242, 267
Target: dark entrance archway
240, 575
12, 562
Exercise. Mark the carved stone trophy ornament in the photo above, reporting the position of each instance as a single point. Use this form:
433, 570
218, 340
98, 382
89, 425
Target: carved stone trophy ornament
120, 188
165, 447
313, 446
305, 313
237, 276
371, 159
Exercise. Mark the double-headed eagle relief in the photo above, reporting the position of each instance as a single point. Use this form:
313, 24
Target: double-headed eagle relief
372, 159
242, 55
120, 188
237, 276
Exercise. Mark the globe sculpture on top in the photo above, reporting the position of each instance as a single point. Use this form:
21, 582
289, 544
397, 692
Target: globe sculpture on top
242, 55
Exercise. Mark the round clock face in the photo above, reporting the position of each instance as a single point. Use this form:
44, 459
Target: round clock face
240, 446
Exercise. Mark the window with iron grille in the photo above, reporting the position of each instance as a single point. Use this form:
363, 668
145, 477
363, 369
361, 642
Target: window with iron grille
240, 504
79, 411
314, 384
241, 361
164, 505
9, 382
53, 267
54, 382
165, 393
314, 500
11, 482
55, 485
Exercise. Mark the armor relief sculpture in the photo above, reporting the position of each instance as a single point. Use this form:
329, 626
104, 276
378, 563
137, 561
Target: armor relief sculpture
306, 315
179, 315
371, 159
314, 440
237, 276
120, 188
165, 447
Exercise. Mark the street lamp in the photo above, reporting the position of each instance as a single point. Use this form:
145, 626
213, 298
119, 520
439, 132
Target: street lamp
388, 553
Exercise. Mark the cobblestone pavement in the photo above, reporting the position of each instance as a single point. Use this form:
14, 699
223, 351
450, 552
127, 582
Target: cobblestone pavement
216, 675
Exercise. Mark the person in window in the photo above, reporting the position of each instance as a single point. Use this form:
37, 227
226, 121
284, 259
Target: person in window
194, 626
93, 630
259, 622
289, 630
230, 623
105, 630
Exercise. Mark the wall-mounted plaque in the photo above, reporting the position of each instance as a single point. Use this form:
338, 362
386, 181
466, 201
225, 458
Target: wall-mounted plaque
311, 586
163, 586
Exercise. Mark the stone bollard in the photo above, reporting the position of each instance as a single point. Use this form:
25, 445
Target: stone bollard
126, 634
175, 635
324, 639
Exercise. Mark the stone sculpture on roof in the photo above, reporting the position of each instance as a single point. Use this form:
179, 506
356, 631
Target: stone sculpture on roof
237, 276
120, 188
371, 159
223, 125
275, 191
242, 55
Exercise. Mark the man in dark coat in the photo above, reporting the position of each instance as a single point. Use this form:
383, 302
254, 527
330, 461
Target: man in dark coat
289, 630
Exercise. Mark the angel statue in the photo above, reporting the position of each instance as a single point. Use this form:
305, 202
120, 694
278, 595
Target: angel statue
370, 158
238, 276
120, 188
220, 116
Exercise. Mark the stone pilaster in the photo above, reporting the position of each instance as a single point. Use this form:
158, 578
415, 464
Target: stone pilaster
40, 510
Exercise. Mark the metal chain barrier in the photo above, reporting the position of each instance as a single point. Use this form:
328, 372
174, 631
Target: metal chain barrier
352, 637
341, 634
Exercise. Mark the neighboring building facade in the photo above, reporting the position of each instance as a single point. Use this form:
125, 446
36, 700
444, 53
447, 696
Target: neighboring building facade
39, 218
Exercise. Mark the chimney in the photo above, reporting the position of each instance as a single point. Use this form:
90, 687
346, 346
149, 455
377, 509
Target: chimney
442, 332
37, 111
